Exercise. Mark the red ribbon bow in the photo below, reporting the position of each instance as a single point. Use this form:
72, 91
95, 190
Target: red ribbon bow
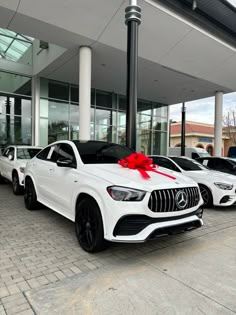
142, 163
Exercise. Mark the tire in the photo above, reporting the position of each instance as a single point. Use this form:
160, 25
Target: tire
30, 196
89, 226
16, 187
206, 196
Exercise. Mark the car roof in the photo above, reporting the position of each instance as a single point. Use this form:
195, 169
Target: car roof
23, 146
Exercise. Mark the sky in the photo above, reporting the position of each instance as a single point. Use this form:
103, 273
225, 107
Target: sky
203, 110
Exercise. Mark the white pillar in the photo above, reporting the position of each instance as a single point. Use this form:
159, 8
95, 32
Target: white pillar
85, 61
35, 111
218, 123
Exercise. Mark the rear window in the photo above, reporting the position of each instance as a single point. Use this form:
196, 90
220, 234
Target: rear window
26, 153
101, 152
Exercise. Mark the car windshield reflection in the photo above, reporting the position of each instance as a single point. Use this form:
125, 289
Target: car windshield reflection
96, 152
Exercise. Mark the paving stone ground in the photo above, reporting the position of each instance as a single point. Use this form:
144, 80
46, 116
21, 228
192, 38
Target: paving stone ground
38, 248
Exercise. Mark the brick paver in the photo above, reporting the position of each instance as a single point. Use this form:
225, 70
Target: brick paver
40, 247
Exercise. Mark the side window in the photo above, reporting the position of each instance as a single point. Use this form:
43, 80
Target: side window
5, 153
11, 152
53, 153
211, 164
66, 152
166, 163
42, 155
194, 155
49, 154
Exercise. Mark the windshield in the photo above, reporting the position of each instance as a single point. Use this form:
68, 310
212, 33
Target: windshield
26, 153
95, 152
187, 165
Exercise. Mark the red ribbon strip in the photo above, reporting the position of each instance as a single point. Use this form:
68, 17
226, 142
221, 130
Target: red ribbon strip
142, 163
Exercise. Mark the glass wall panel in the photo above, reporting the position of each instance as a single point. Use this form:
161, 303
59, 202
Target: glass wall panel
15, 120
144, 107
159, 143
58, 90
15, 83
144, 141
108, 117
160, 110
159, 123
74, 93
103, 99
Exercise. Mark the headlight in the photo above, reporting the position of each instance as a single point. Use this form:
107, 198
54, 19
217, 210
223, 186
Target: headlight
125, 194
224, 186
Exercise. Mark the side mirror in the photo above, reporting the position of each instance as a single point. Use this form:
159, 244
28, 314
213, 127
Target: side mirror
10, 157
63, 162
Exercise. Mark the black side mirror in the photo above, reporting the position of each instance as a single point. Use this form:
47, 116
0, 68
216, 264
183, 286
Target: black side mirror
63, 162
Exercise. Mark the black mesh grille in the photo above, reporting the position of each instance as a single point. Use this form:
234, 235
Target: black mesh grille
166, 200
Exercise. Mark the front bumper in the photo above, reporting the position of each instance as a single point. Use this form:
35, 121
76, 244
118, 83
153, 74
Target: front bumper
141, 228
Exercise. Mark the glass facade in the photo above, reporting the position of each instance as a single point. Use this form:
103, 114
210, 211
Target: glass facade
59, 117
15, 109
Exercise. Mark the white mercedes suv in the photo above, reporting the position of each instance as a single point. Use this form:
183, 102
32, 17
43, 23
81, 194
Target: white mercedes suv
84, 182
12, 165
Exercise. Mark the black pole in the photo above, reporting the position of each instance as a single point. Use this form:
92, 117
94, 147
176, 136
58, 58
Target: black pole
132, 16
183, 130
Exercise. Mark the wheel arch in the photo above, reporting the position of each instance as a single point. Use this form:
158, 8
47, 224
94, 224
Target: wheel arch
208, 188
84, 195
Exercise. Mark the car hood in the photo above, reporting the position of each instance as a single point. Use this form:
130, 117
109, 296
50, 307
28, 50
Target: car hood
117, 175
211, 176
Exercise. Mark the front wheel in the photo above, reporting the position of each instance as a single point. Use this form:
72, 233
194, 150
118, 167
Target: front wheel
206, 196
89, 226
30, 196
16, 187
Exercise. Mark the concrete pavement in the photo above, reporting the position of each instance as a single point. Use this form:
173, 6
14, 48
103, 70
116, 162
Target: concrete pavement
172, 275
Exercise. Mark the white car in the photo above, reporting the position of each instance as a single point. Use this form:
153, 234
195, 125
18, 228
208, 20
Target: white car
84, 182
217, 189
12, 165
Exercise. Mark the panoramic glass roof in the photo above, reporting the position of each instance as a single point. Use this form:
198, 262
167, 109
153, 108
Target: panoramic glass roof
13, 45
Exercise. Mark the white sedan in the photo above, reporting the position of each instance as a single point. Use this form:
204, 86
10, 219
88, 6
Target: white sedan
84, 182
12, 165
217, 189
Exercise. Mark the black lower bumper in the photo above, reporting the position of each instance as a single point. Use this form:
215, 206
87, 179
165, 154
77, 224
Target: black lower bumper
134, 224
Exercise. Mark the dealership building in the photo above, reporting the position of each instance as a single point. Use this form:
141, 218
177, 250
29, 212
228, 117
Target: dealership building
63, 67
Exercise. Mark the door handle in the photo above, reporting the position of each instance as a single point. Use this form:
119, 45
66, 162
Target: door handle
51, 169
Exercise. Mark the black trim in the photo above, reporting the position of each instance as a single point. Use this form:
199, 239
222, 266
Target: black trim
134, 224
172, 230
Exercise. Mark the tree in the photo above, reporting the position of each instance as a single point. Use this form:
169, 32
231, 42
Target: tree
229, 123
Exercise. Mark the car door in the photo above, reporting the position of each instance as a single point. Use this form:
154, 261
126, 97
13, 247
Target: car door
7, 162
63, 180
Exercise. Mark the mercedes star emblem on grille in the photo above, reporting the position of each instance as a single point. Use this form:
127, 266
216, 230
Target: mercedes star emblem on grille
181, 199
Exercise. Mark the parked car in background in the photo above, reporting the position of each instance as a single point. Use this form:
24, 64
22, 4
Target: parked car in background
84, 182
192, 153
217, 189
232, 152
12, 165
221, 164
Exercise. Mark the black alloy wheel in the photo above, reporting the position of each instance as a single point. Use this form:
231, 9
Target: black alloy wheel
206, 196
16, 187
30, 196
89, 226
